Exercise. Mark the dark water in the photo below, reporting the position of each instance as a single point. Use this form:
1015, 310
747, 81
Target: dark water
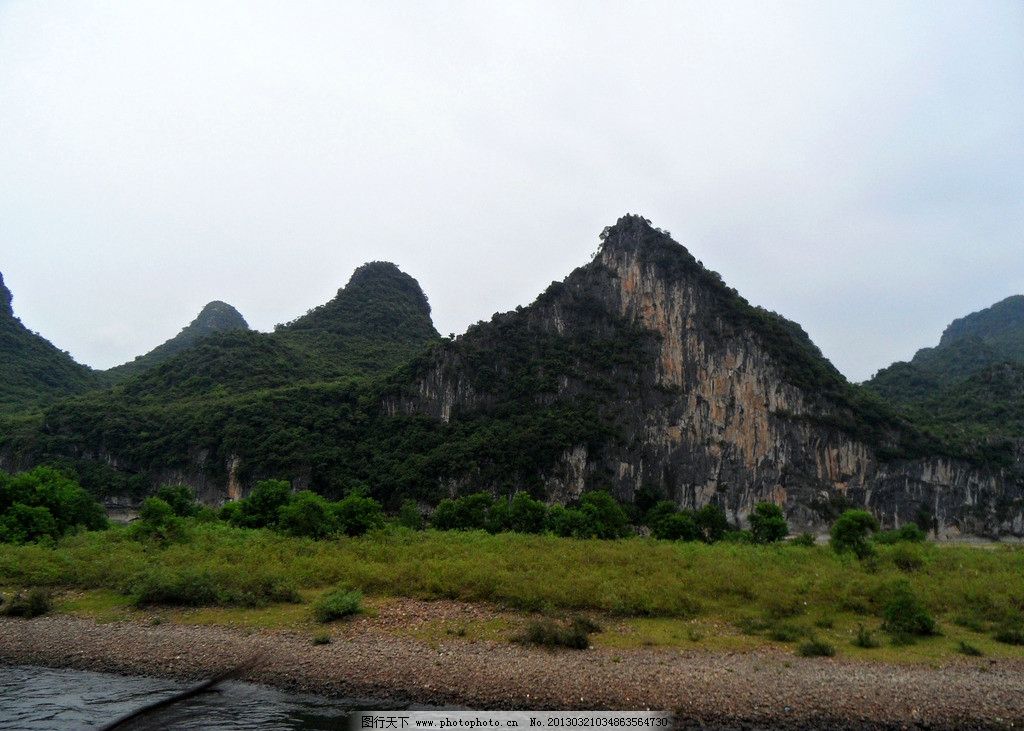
42, 698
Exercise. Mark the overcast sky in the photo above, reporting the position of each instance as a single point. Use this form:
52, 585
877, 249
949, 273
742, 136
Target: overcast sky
856, 166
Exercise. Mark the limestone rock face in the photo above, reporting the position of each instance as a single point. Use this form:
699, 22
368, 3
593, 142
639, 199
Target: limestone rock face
726, 403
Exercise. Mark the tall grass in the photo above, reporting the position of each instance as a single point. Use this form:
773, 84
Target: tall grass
633, 577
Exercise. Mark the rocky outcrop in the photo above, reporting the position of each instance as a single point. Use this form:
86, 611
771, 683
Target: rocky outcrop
718, 411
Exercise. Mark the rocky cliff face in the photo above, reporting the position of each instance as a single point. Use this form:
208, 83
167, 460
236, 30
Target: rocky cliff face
724, 403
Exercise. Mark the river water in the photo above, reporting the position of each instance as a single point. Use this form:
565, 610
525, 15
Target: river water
40, 699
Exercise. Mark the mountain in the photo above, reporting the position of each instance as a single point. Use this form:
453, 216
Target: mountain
32, 371
969, 345
215, 317
641, 373
374, 323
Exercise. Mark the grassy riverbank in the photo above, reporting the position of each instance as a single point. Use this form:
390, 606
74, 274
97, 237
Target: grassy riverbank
644, 592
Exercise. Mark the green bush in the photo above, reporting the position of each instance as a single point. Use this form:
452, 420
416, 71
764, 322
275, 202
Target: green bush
181, 498
34, 604
45, 503
261, 508
804, 540
865, 638
768, 523
786, 632
527, 515
1010, 633
905, 615
738, 536
851, 532
338, 604
607, 518
548, 633
409, 515
907, 533
906, 558
23, 524
967, 649
569, 522
194, 587
712, 522
307, 514
816, 648
677, 527
156, 512
356, 514
465, 513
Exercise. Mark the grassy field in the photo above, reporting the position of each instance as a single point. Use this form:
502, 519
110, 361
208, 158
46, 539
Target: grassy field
644, 592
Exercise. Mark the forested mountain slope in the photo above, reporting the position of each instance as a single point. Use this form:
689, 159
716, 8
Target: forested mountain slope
34, 372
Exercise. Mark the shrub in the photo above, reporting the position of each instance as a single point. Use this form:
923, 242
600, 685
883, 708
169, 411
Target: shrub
409, 515
338, 604
606, 516
569, 522
156, 512
356, 514
185, 588
816, 648
865, 638
711, 522
35, 604
804, 540
851, 531
907, 533
527, 515
45, 503
658, 512
677, 527
768, 524
786, 633
262, 507
465, 513
907, 558
191, 587
181, 498
307, 514
499, 517
24, 524
157, 521
1010, 633
322, 638
905, 614
548, 633
970, 650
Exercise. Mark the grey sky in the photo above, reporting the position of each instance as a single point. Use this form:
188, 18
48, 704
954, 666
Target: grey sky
856, 166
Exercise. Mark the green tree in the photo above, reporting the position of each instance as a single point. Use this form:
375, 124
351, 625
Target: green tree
711, 522
606, 516
357, 514
851, 532
181, 498
527, 515
677, 527
261, 508
768, 523
307, 514
409, 515
22, 524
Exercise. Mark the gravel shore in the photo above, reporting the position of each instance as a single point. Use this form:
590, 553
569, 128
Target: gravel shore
767, 689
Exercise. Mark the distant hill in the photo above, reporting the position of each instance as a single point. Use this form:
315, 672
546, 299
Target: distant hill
968, 388
215, 317
33, 372
375, 322
969, 345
